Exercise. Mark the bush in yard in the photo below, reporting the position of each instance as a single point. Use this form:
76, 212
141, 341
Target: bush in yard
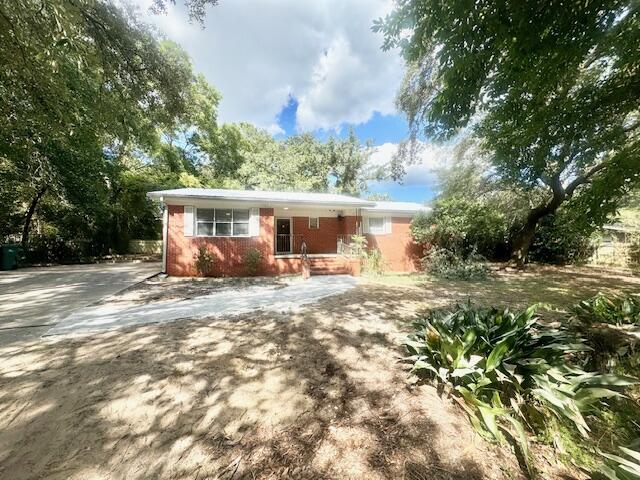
447, 264
463, 226
508, 369
204, 261
371, 259
53, 248
613, 309
358, 245
614, 349
253, 260
373, 262
562, 239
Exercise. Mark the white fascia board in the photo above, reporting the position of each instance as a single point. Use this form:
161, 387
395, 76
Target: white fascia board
246, 202
390, 213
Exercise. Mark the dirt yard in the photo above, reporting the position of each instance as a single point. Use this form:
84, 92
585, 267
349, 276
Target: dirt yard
317, 394
175, 288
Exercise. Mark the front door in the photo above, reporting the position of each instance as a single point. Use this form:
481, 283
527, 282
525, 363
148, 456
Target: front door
283, 235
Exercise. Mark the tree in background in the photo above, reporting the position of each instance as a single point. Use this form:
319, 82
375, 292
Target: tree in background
81, 81
97, 111
349, 163
476, 211
197, 8
550, 89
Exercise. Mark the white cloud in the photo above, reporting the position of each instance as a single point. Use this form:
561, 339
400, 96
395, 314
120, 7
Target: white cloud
260, 52
431, 158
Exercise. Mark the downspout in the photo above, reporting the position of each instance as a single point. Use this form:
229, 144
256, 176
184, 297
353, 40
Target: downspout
165, 235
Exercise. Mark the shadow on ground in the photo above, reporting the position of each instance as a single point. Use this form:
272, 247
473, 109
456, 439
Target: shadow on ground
318, 394
559, 286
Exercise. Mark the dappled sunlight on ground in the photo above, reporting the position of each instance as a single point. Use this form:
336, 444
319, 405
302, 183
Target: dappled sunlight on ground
559, 286
314, 394
319, 393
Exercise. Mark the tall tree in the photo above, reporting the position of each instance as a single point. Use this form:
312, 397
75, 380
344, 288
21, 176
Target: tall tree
197, 8
80, 81
350, 166
551, 88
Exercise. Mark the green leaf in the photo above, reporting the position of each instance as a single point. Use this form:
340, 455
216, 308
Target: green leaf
496, 355
609, 379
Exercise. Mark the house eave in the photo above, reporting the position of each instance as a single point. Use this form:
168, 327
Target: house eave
181, 198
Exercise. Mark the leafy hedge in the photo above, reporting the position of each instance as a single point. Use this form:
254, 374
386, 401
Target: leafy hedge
447, 264
509, 369
615, 310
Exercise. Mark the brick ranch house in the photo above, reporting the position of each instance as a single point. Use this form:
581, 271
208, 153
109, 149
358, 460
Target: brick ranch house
281, 226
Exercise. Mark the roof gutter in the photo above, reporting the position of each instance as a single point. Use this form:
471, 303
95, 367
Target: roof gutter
164, 198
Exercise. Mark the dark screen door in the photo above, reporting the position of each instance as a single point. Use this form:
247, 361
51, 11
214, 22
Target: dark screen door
283, 235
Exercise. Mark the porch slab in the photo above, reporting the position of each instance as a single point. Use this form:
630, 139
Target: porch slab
310, 255
230, 301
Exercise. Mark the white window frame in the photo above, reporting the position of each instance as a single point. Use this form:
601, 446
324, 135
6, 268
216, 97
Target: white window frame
247, 222
377, 231
317, 227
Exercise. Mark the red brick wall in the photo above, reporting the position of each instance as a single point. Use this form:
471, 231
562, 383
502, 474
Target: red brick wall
398, 249
229, 252
399, 252
325, 238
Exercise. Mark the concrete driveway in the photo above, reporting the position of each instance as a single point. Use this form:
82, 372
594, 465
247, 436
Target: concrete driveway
33, 299
229, 301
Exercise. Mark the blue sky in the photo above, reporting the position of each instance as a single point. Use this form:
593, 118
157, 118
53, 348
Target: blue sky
292, 67
379, 129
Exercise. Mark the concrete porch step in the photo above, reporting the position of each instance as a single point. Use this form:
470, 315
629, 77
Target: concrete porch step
333, 271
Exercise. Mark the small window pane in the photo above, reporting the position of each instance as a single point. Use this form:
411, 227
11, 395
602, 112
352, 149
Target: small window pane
240, 215
205, 229
223, 229
205, 214
223, 215
313, 222
241, 229
376, 224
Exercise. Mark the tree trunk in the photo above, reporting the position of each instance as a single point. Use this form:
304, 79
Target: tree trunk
523, 239
29, 216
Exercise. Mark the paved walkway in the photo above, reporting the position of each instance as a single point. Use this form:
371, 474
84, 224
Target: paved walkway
32, 299
225, 302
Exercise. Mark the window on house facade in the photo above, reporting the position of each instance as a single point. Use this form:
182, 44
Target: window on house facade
376, 225
222, 222
314, 222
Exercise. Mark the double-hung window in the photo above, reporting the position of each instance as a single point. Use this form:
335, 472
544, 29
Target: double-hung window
222, 222
376, 225
205, 222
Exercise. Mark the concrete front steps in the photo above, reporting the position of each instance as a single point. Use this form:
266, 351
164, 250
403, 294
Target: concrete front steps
329, 266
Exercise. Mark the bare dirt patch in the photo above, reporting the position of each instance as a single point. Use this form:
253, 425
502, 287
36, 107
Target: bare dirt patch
175, 288
315, 394
318, 394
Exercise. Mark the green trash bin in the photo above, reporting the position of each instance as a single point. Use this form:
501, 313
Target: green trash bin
9, 254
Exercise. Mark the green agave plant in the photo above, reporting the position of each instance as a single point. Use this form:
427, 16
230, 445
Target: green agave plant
500, 362
625, 466
616, 310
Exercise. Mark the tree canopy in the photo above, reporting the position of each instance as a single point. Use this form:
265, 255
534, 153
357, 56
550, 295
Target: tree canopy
98, 110
551, 90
